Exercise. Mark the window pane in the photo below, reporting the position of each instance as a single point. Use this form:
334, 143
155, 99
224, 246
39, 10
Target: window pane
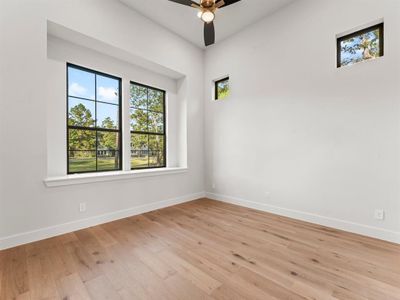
107, 116
222, 88
94, 130
139, 159
147, 116
139, 120
139, 141
82, 161
156, 122
360, 47
107, 140
156, 100
138, 96
81, 83
82, 139
139, 152
81, 112
156, 142
107, 160
156, 158
107, 89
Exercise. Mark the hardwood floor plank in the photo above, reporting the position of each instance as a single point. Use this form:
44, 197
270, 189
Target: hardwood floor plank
104, 238
41, 281
193, 274
117, 273
101, 289
148, 282
203, 250
15, 281
154, 263
183, 289
71, 287
85, 264
2, 270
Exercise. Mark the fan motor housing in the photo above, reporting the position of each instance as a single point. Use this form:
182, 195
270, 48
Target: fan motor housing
207, 3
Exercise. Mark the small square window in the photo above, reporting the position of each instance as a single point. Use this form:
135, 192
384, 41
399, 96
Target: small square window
359, 46
222, 88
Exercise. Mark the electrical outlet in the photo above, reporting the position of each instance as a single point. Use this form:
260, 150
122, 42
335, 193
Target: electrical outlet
379, 214
267, 195
82, 207
213, 185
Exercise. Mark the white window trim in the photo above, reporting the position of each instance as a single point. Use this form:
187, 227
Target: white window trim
110, 176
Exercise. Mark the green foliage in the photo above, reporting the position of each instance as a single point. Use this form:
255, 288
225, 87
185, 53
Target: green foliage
147, 147
156, 142
156, 122
139, 120
138, 96
147, 116
222, 89
108, 140
359, 48
156, 101
79, 115
139, 141
80, 141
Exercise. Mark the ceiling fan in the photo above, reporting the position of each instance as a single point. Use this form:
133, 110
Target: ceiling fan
207, 9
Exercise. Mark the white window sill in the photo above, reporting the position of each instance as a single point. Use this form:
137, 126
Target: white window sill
110, 176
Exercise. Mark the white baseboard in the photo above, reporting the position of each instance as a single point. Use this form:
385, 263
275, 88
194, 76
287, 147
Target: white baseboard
44, 233
370, 231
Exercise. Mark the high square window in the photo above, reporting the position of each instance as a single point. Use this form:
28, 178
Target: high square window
93, 121
359, 46
148, 116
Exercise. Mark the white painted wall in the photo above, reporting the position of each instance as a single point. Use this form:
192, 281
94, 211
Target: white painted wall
322, 143
59, 53
25, 203
300, 137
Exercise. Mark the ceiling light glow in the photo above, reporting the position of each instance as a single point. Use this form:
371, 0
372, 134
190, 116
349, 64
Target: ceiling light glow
207, 16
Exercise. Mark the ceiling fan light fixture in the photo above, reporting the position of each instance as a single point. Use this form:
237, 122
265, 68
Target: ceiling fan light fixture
206, 12
207, 16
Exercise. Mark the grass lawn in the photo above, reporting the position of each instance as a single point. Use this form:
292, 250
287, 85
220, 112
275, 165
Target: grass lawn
77, 165
139, 162
143, 162
89, 164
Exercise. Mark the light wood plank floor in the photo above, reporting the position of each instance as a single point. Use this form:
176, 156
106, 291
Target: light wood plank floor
203, 250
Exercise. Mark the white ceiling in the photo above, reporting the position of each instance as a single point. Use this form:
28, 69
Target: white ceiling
183, 20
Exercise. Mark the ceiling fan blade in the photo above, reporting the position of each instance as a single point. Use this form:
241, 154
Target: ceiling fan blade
228, 2
209, 33
185, 2
219, 4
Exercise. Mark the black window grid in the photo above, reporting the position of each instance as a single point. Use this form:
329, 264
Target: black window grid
216, 89
95, 128
339, 41
150, 133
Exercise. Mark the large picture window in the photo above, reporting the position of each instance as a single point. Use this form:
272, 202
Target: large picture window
148, 139
93, 121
